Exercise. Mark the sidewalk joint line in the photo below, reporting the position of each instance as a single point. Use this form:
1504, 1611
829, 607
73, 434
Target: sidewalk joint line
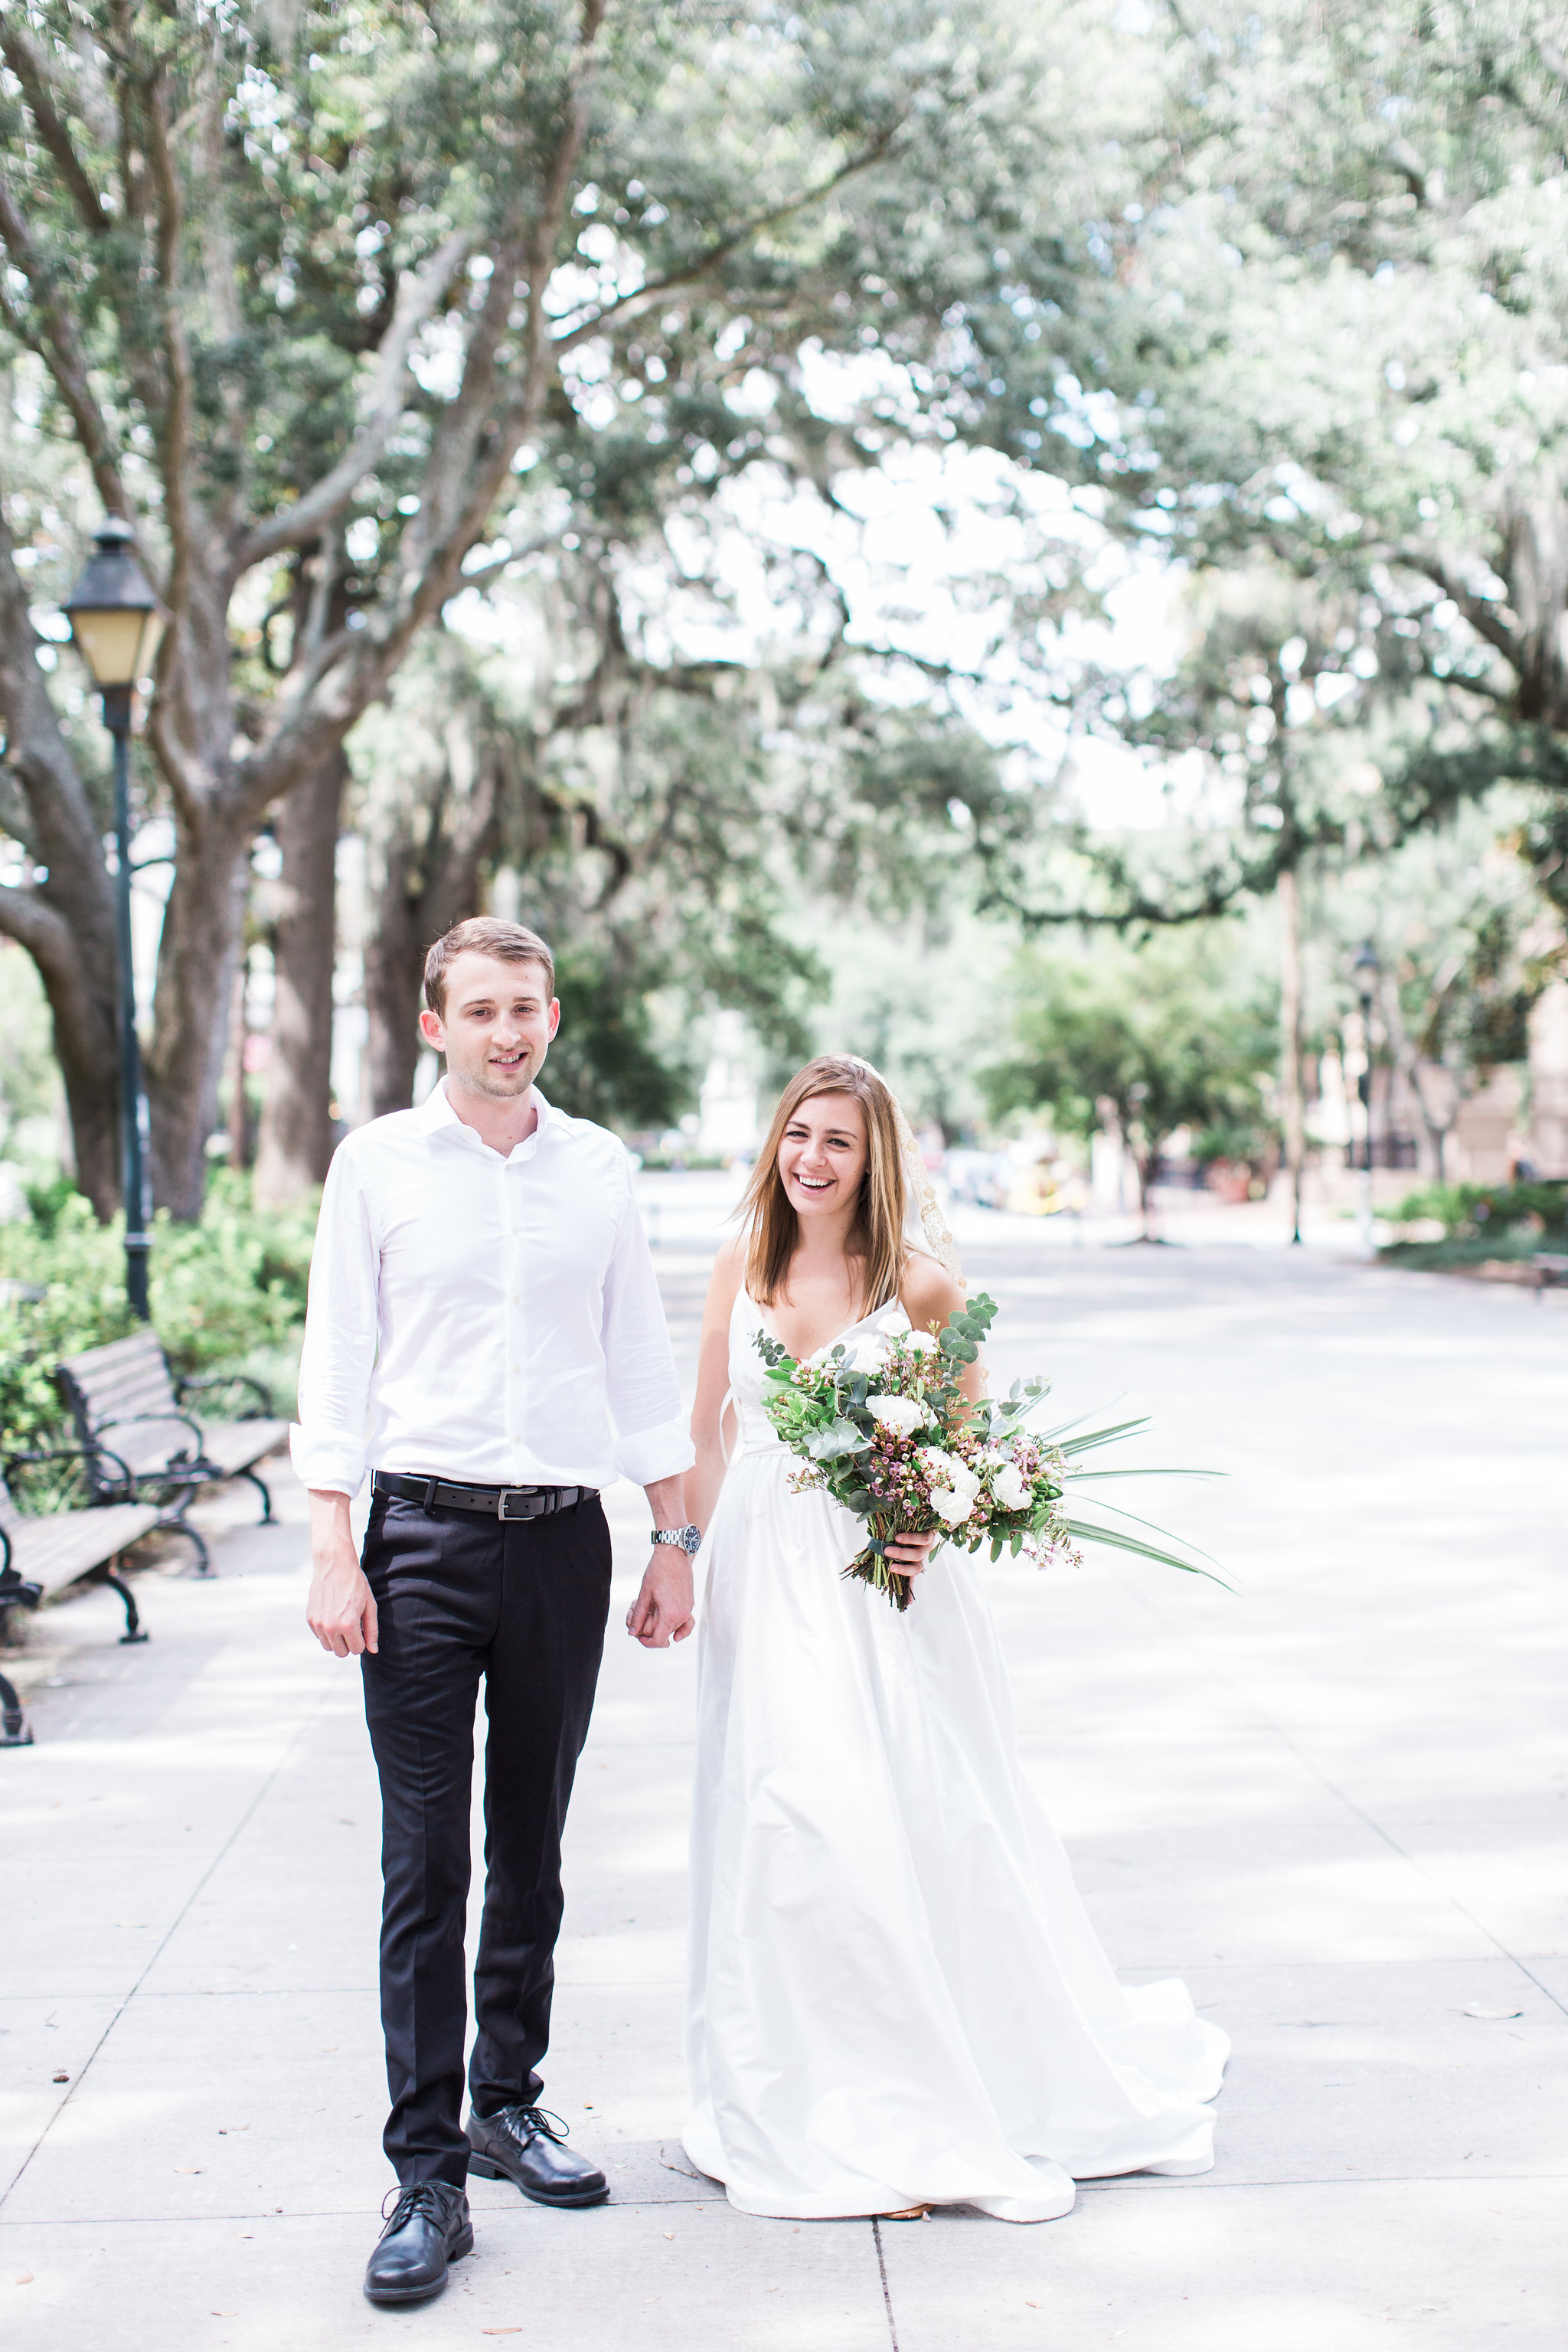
882, 2274
1128, 2185
174, 1925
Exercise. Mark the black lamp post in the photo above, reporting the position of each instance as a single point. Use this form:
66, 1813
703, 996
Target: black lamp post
1366, 970
116, 624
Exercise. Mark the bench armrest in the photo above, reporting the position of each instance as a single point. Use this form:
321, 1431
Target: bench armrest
16, 1590
189, 1385
130, 1421
98, 1455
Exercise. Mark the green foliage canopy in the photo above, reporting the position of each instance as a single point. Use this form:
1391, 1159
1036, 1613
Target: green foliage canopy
1163, 1038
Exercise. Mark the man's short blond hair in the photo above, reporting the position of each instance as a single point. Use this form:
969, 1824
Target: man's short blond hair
483, 935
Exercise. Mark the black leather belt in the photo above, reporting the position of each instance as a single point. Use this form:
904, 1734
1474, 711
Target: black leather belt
485, 1502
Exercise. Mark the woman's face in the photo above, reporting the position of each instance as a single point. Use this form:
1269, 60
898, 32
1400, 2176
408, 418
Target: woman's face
822, 1156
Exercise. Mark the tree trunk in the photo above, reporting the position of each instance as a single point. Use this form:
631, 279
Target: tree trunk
1294, 1119
393, 969
295, 1120
1145, 1164
428, 848
87, 1052
67, 921
203, 926
240, 1139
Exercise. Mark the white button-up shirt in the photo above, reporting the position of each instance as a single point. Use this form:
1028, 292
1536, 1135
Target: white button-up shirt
485, 1320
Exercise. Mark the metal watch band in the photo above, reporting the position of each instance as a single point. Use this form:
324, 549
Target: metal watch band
688, 1537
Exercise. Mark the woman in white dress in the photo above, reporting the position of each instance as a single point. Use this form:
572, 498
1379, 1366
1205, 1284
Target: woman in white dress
896, 1996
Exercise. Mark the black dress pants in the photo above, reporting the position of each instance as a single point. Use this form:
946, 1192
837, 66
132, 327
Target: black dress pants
522, 1603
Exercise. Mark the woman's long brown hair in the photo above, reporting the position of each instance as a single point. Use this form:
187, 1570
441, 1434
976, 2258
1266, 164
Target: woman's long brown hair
877, 1235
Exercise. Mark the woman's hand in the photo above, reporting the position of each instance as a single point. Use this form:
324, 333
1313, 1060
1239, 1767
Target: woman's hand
907, 1554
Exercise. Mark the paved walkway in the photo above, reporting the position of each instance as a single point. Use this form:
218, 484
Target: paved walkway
1333, 1802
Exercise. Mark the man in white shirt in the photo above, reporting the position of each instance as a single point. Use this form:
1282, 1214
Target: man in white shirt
485, 1335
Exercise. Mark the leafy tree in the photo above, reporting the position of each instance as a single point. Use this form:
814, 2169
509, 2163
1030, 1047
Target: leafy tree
305, 291
657, 820
1466, 948
1138, 1044
1342, 355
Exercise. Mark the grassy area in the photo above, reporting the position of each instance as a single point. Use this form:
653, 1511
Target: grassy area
1456, 1254
1479, 1223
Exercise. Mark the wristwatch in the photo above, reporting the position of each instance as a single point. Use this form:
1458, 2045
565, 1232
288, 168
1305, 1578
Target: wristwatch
689, 1538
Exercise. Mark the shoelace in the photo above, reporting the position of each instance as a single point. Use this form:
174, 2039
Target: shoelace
426, 2197
542, 2121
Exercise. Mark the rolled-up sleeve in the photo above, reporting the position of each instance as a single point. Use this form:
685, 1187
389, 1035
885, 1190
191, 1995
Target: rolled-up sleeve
327, 1444
652, 1439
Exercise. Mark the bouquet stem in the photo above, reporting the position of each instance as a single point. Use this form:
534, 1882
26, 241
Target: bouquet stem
870, 1566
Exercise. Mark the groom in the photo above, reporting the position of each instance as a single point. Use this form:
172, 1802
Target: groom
484, 1334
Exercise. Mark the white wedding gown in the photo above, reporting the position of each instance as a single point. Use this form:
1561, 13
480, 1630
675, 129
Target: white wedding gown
895, 1996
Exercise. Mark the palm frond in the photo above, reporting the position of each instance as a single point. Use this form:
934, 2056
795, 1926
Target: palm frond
1101, 1505
1116, 1541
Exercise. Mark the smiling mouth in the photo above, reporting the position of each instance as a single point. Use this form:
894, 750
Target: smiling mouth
815, 1184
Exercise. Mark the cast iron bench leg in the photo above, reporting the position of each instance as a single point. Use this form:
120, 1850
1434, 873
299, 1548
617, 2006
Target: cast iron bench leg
177, 1524
133, 1627
15, 1731
260, 1485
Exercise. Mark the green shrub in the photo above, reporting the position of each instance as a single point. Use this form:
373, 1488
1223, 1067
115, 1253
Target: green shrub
1469, 1212
222, 1292
1248, 1142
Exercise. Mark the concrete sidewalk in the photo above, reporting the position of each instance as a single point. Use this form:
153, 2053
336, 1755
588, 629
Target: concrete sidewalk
1333, 1801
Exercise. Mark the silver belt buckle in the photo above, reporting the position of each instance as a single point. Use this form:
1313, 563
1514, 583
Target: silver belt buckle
501, 1498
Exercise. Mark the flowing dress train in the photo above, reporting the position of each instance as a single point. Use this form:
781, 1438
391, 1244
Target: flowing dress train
895, 1996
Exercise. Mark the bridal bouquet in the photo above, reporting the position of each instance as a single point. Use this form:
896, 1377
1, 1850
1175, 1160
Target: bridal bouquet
884, 1428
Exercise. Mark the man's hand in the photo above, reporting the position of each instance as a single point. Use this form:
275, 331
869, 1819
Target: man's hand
662, 1611
340, 1611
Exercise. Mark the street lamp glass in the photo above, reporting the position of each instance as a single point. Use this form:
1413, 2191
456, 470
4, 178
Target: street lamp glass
118, 643
113, 612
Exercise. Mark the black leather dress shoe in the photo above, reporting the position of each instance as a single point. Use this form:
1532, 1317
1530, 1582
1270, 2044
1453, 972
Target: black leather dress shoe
428, 2229
523, 2145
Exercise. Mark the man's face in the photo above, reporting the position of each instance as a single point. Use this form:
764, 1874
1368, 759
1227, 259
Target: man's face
497, 1027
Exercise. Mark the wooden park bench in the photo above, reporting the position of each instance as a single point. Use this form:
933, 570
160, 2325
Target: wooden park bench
39, 1554
1550, 1270
124, 1397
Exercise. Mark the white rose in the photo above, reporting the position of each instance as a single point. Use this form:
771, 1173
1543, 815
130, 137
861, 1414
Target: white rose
868, 1355
903, 1415
941, 1463
1011, 1488
919, 1343
950, 1507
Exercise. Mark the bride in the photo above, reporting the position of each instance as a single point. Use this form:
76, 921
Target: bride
896, 2000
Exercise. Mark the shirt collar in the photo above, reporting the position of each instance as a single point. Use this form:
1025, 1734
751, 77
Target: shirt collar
436, 1112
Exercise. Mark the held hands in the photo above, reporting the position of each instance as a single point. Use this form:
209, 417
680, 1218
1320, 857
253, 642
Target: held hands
662, 1611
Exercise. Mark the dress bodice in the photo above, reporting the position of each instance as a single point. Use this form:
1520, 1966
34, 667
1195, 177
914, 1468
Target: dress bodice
757, 1435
